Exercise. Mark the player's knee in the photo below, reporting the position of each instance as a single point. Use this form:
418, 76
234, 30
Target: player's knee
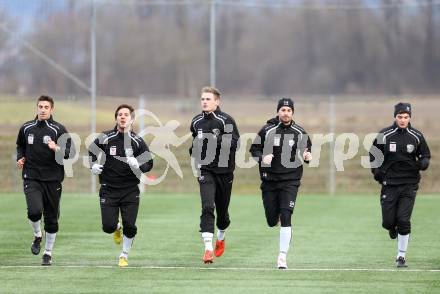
109, 228
272, 220
388, 224
223, 223
286, 218
272, 217
130, 231
34, 216
51, 228
403, 227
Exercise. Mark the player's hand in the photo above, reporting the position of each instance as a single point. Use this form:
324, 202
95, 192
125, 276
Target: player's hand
268, 159
307, 155
132, 162
378, 175
53, 146
97, 169
20, 162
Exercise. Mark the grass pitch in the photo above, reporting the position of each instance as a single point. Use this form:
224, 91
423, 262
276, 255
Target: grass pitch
338, 247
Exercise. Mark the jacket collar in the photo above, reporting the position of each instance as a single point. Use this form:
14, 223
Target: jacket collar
41, 122
211, 114
130, 132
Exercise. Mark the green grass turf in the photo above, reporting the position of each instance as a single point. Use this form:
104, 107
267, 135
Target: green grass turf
331, 235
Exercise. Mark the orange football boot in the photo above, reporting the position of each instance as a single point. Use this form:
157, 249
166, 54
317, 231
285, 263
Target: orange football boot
219, 247
208, 257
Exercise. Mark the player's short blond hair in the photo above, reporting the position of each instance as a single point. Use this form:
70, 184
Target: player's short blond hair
212, 90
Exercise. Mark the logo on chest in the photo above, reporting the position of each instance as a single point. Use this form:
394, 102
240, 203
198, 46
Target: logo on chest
216, 132
30, 139
113, 150
409, 148
46, 139
393, 147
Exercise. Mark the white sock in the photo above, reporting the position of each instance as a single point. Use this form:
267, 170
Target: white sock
282, 255
402, 245
221, 234
285, 236
36, 227
126, 246
207, 239
50, 241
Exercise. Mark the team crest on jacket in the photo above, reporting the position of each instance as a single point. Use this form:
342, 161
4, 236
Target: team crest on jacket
31, 139
46, 139
410, 148
113, 150
291, 143
216, 132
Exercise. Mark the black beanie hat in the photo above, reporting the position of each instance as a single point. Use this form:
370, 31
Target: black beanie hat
285, 102
402, 108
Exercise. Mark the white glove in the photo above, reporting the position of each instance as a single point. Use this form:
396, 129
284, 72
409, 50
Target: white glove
268, 159
133, 162
97, 169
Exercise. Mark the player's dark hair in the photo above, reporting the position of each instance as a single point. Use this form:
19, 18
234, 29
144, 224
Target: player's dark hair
129, 107
46, 98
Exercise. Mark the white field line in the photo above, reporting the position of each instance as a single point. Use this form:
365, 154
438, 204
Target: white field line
207, 268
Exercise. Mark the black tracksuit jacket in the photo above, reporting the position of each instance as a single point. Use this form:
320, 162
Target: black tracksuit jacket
108, 149
40, 163
405, 153
219, 128
272, 139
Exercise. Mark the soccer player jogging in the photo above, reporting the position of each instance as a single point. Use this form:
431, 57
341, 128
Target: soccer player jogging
40, 156
215, 140
405, 153
120, 157
280, 148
